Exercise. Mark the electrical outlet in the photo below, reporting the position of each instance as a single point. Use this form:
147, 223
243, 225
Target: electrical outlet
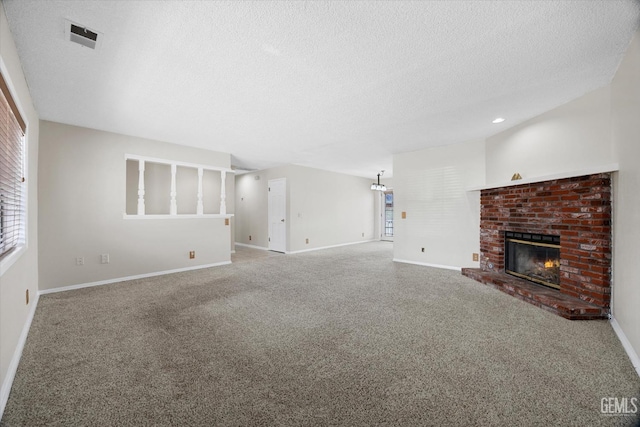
27, 296
104, 258
306, 241
422, 250
226, 221
80, 260
362, 234
192, 254
475, 257
249, 238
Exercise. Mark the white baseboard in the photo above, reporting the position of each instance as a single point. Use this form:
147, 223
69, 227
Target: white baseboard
305, 250
17, 354
633, 356
329, 247
252, 246
124, 279
426, 264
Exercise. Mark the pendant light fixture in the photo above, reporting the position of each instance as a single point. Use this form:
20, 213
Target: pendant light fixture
378, 186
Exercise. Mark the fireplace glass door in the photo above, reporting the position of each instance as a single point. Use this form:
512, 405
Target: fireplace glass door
535, 257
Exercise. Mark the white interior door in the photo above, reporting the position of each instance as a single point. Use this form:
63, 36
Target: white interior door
278, 214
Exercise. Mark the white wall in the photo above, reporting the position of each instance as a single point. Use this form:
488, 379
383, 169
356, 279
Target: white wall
82, 187
23, 274
441, 215
569, 138
625, 95
325, 207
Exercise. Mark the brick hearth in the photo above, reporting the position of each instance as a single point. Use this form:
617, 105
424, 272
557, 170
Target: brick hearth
576, 209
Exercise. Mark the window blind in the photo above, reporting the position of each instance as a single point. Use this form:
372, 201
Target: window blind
12, 131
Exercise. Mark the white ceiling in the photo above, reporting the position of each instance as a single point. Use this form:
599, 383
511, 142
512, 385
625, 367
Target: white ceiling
333, 85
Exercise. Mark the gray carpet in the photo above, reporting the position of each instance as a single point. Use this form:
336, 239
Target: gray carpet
335, 337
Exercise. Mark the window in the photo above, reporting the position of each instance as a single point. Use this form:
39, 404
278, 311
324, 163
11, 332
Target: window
12, 212
388, 214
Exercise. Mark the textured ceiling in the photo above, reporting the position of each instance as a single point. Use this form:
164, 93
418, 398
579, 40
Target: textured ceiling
334, 85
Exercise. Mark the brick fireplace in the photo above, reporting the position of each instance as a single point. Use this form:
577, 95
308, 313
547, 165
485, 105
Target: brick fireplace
578, 211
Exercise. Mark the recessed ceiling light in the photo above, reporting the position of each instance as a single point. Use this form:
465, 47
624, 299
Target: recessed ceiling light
498, 120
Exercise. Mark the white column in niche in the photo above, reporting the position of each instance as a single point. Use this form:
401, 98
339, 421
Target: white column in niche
140, 187
223, 193
200, 207
173, 208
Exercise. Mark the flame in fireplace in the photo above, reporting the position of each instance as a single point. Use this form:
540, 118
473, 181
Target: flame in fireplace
552, 263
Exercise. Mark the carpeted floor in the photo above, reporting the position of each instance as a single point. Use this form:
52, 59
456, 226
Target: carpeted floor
335, 337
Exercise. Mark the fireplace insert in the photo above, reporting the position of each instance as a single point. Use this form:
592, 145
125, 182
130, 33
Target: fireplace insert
534, 257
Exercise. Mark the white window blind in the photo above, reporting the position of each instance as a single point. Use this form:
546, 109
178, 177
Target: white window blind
12, 131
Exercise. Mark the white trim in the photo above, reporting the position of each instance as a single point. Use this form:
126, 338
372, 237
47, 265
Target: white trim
17, 354
9, 260
179, 216
262, 248
633, 356
329, 247
177, 163
613, 167
223, 193
127, 278
427, 264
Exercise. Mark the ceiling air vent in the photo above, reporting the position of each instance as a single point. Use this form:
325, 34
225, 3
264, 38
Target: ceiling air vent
82, 35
